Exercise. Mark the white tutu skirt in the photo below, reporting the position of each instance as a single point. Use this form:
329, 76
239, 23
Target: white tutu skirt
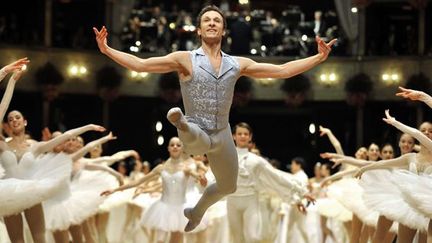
77, 202
2, 171
416, 190
350, 196
331, 208
117, 199
109, 203
39, 179
382, 194
145, 200
165, 217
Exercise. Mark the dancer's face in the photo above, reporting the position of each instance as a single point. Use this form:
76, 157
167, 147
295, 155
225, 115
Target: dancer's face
426, 129
16, 122
242, 137
175, 147
373, 152
361, 153
96, 152
138, 166
70, 146
212, 26
325, 170
406, 143
317, 170
145, 168
387, 152
295, 167
59, 148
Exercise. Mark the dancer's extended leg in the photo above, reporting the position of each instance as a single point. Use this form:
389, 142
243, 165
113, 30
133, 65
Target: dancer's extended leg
224, 164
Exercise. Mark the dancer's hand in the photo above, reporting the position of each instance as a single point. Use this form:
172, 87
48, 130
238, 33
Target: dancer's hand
101, 38
16, 66
203, 180
411, 94
17, 75
97, 128
138, 191
46, 134
110, 136
324, 131
135, 155
107, 192
301, 208
337, 159
389, 119
359, 173
324, 48
310, 198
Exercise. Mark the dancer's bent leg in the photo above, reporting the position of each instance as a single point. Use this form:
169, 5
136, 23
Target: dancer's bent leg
224, 164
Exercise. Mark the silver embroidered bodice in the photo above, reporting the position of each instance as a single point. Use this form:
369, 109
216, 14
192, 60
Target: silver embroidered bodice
207, 97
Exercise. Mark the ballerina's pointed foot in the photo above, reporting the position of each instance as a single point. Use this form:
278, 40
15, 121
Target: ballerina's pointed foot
175, 116
193, 222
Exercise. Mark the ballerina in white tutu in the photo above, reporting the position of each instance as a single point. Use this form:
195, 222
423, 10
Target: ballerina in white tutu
166, 215
349, 193
101, 219
31, 176
382, 233
327, 205
66, 211
383, 197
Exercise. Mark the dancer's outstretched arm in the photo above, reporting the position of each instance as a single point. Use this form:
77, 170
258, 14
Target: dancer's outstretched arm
415, 95
282, 183
88, 147
46, 146
13, 67
150, 186
7, 96
199, 178
401, 162
175, 61
338, 159
423, 139
150, 176
250, 68
113, 158
337, 176
334, 141
106, 169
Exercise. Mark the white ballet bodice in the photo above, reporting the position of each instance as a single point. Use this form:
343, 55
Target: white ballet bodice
174, 187
317, 191
419, 167
14, 168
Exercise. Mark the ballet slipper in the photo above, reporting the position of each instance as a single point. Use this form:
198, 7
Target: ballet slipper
193, 222
175, 117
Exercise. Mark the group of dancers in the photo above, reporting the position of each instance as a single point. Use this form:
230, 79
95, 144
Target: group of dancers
64, 196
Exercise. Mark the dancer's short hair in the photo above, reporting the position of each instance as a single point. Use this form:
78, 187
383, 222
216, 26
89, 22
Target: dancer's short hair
242, 125
211, 8
300, 161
